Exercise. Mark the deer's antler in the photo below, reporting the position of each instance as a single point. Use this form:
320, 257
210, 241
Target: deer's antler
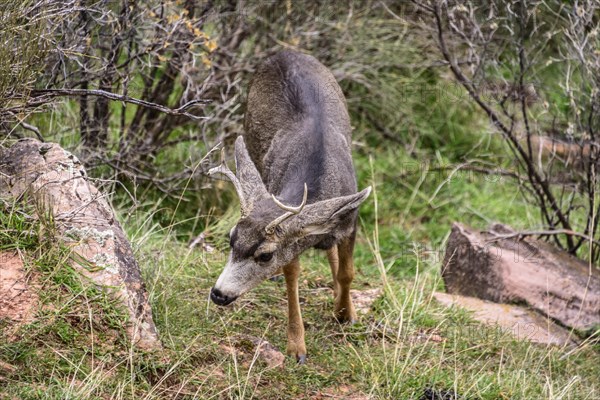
290, 210
224, 170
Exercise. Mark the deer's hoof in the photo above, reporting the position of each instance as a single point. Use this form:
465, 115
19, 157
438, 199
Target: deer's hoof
345, 317
344, 312
297, 350
347, 321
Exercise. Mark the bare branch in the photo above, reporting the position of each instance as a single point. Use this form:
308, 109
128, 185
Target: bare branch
499, 236
181, 111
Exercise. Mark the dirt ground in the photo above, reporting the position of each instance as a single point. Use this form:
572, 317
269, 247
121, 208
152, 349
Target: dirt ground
17, 299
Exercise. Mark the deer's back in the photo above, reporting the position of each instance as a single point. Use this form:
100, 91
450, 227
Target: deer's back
297, 127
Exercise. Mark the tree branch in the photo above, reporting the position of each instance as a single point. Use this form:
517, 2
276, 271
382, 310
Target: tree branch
554, 232
181, 111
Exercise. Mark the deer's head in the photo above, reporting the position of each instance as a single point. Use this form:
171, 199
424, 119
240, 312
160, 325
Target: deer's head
270, 234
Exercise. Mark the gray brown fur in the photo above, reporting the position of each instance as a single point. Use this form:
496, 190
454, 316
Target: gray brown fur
297, 132
300, 135
307, 119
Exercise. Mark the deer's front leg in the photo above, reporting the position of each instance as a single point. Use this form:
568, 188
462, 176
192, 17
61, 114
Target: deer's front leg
344, 309
295, 330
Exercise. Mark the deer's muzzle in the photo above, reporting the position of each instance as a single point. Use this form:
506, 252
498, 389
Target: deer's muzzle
219, 298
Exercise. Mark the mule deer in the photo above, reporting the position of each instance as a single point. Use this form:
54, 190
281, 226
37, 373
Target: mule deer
296, 184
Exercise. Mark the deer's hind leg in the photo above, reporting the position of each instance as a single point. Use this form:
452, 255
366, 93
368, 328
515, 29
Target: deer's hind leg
344, 309
334, 263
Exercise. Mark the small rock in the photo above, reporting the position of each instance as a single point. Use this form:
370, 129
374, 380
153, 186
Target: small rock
363, 299
440, 394
427, 336
7, 367
345, 392
246, 346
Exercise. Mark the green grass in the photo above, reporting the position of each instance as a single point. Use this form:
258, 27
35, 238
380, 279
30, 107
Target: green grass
405, 345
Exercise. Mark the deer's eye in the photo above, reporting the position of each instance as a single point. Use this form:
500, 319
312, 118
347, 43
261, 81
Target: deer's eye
265, 257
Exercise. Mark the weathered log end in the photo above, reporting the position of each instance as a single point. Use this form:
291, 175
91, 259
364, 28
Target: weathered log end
50, 175
499, 266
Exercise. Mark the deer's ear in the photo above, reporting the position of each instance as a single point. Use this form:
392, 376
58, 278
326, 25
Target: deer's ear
324, 216
250, 181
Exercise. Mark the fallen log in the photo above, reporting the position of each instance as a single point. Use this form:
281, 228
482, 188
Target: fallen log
53, 177
500, 266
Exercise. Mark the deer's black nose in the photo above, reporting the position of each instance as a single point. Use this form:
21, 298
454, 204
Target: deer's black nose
219, 298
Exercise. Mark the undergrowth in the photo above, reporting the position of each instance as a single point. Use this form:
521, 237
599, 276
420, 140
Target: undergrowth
406, 347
